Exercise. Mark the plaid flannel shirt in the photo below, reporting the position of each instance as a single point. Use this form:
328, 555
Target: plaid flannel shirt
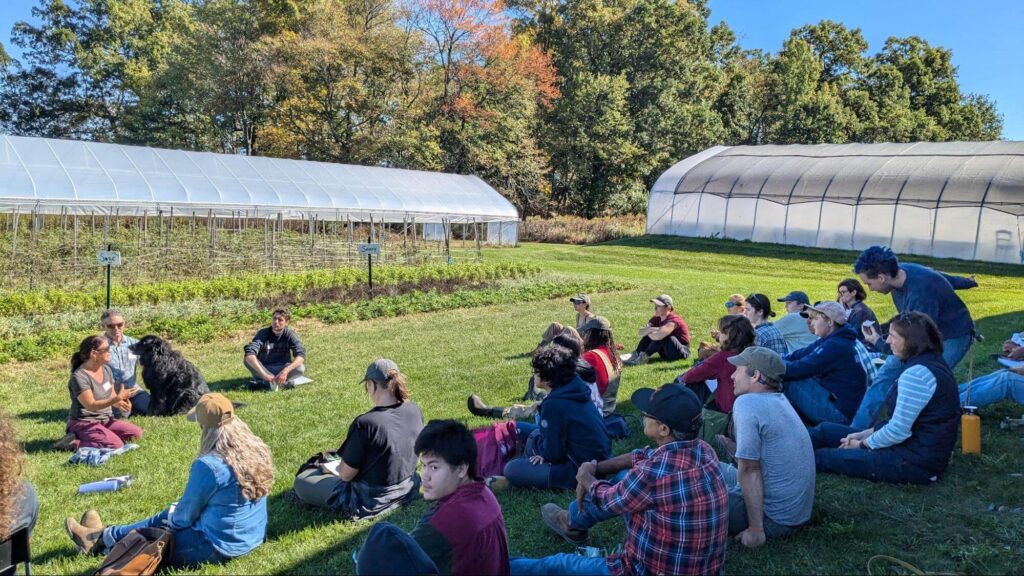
866, 360
768, 336
677, 511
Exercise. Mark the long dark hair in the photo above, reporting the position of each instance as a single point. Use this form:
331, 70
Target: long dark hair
596, 337
739, 332
84, 349
920, 332
854, 285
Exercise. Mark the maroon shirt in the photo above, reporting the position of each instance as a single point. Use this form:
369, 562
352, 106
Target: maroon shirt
682, 331
464, 533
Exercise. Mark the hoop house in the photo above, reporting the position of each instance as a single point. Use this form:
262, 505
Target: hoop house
950, 199
45, 176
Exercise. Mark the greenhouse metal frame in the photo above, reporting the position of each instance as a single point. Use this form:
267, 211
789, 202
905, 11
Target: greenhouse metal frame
950, 199
47, 176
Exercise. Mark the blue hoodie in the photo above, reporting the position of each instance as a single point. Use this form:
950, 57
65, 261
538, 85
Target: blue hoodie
572, 432
832, 360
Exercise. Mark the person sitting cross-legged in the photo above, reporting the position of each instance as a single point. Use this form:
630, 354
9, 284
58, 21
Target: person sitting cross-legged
825, 381
571, 429
464, 531
223, 511
771, 488
1005, 384
374, 471
673, 498
276, 357
666, 334
915, 430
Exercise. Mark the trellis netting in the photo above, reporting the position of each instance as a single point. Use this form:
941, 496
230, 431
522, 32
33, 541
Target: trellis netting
948, 199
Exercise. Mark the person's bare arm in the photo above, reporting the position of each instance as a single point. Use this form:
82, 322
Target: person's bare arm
752, 485
89, 401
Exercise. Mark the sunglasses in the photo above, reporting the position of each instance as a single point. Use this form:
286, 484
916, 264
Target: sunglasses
731, 304
115, 325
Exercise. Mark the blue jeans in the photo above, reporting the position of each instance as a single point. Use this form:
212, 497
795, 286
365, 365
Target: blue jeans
589, 515
813, 401
882, 465
520, 471
140, 404
559, 564
995, 387
190, 545
953, 351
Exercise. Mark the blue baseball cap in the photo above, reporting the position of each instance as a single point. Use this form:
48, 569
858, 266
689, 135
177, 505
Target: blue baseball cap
796, 296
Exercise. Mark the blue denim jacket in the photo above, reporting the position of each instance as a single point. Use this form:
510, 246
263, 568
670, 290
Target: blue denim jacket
213, 504
123, 363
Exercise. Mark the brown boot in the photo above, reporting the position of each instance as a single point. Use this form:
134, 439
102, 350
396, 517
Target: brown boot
91, 519
87, 540
557, 519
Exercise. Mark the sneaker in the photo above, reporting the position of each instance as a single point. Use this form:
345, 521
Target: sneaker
637, 359
87, 540
65, 443
91, 519
557, 519
497, 483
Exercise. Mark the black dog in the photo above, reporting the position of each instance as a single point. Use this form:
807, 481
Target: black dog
174, 383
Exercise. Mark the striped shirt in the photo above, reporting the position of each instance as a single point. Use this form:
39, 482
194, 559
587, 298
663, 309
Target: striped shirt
914, 390
768, 336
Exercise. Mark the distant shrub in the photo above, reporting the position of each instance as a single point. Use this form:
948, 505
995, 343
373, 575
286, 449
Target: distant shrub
576, 230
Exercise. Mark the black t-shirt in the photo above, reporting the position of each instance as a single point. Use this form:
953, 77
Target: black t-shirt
380, 444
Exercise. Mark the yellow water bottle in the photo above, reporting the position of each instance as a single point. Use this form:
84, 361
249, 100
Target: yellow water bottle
970, 430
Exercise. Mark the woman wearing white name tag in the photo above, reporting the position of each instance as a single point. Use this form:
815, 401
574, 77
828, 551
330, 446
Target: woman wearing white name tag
93, 398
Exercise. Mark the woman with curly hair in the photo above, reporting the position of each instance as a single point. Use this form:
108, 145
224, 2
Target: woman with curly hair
223, 512
19, 506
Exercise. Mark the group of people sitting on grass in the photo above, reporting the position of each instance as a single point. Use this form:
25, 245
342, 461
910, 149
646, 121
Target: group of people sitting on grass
800, 395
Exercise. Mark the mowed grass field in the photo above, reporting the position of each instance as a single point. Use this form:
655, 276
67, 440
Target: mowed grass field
948, 527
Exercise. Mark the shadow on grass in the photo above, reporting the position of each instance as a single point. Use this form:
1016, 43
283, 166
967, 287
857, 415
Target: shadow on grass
63, 553
54, 415
287, 514
42, 445
229, 385
790, 252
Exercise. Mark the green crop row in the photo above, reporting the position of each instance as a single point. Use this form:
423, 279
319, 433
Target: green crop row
205, 327
253, 286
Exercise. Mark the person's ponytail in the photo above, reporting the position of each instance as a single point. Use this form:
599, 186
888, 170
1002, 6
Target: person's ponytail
395, 384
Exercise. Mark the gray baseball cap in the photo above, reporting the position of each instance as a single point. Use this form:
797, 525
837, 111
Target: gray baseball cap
834, 311
596, 323
764, 360
663, 300
378, 370
580, 298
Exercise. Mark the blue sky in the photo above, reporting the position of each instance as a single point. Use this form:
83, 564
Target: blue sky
985, 35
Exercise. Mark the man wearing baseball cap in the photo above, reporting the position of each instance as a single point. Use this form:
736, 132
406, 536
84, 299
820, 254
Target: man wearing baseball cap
825, 381
673, 498
771, 488
793, 327
666, 333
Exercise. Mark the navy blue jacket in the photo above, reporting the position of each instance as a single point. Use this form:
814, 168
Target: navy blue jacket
832, 360
933, 435
572, 432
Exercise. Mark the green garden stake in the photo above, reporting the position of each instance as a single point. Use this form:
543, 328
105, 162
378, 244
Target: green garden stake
110, 247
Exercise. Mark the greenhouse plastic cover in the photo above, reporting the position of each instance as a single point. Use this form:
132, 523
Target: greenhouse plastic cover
47, 175
925, 174
952, 199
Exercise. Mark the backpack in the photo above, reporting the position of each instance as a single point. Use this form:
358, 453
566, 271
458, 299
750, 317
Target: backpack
140, 553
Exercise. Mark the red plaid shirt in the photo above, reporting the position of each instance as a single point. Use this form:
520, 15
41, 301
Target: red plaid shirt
678, 511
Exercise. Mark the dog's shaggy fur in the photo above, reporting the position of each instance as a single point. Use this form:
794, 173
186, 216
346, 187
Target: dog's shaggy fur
174, 383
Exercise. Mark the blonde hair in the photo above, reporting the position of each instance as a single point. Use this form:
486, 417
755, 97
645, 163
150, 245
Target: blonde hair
11, 463
247, 455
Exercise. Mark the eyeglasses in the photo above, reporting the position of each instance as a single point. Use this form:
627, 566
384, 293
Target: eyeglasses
115, 325
103, 350
843, 291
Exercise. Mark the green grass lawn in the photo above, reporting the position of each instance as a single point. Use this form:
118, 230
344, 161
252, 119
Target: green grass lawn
449, 355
